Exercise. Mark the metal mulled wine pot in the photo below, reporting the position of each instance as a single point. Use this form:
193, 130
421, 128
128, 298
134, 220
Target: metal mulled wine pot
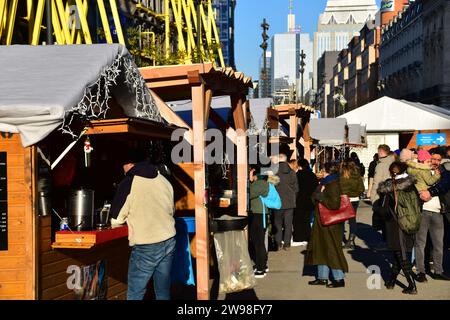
81, 210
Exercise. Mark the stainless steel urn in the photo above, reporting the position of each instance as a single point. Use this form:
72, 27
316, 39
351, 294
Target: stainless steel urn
81, 210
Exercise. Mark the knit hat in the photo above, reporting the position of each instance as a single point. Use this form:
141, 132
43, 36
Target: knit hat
406, 155
424, 155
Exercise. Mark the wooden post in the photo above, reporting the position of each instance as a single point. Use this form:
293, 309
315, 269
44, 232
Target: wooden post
307, 139
293, 123
201, 213
242, 156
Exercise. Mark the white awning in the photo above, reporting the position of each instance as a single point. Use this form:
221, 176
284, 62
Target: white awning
44, 87
328, 131
392, 115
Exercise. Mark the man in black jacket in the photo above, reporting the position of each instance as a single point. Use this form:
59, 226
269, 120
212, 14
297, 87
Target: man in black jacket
287, 189
307, 184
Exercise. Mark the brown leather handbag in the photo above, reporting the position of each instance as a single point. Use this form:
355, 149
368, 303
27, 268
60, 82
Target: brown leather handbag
330, 217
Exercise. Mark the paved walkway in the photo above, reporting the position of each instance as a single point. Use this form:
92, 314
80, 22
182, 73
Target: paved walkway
288, 277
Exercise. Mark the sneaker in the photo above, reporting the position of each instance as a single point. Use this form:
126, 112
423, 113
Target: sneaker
441, 276
286, 247
421, 277
259, 274
266, 270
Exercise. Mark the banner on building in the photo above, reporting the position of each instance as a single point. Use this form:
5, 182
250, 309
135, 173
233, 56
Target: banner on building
387, 5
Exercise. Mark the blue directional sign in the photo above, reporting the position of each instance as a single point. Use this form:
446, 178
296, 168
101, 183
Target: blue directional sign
431, 139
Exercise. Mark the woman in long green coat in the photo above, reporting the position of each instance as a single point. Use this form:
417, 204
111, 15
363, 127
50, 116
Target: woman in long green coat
325, 249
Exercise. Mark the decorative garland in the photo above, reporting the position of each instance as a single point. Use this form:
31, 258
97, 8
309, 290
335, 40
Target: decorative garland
94, 104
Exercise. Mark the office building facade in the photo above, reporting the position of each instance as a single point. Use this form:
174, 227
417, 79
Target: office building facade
338, 24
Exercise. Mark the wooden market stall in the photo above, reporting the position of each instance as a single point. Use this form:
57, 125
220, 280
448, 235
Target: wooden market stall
199, 83
294, 120
36, 260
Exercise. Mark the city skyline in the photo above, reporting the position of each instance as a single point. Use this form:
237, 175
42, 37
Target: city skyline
248, 31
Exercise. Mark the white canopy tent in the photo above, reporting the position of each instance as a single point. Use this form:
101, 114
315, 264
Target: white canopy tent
46, 87
387, 115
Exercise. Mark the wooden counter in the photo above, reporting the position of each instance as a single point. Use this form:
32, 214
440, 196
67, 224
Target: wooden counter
88, 239
112, 246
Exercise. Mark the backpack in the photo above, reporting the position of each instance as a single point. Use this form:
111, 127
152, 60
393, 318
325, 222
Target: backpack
271, 201
407, 210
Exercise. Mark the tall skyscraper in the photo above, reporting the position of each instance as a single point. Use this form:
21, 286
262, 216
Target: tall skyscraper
341, 20
225, 24
285, 61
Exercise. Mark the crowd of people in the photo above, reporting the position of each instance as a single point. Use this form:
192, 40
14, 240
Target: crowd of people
409, 193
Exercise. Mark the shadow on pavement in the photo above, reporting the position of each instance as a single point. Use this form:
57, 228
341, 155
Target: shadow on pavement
373, 255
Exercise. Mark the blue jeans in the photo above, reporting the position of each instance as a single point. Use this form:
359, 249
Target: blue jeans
150, 260
323, 273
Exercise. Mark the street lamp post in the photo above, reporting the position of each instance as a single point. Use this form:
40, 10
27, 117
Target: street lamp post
302, 71
48, 19
199, 31
265, 27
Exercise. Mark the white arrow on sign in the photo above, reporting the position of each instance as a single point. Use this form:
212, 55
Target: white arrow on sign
440, 139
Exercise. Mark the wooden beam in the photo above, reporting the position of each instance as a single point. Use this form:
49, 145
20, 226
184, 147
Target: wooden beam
167, 83
201, 213
208, 97
171, 117
194, 77
246, 112
218, 120
238, 114
272, 116
242, 173
174, 71
293, 124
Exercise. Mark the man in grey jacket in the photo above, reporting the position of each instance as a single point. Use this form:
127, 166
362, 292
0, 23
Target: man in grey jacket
385, 159
287, 189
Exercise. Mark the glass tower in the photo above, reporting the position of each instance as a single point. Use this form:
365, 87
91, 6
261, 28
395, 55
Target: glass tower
225, 25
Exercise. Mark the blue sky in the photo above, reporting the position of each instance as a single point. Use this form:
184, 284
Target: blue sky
249, 15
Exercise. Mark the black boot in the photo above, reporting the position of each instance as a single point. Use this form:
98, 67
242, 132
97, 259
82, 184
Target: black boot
318, 282
409, 275
411, 289
350, 243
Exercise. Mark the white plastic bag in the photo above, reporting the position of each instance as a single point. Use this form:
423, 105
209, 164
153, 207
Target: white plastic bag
235, 265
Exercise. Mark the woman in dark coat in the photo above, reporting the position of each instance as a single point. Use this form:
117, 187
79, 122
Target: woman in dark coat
325, 249
307, 183
399, 242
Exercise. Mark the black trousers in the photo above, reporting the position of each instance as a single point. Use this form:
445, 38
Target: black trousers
257, 235
283, 222
302, 226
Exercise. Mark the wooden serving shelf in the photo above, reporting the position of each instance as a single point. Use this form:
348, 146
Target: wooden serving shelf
87, 239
